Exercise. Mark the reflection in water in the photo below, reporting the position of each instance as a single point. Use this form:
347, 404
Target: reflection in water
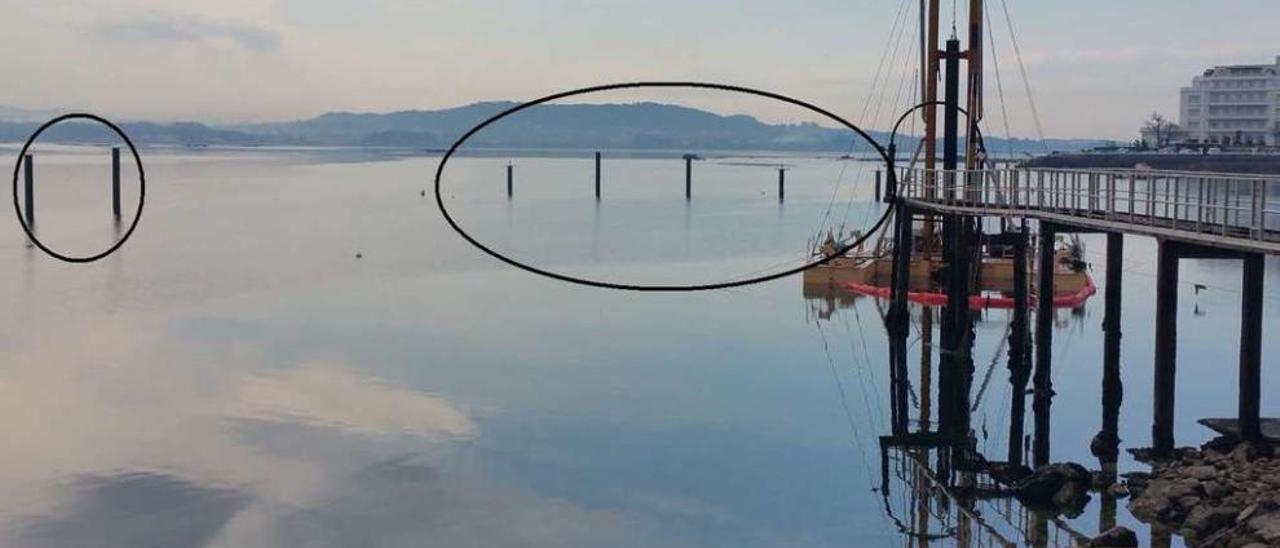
937, 486
132, 509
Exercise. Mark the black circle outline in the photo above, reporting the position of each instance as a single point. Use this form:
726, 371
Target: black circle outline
142, 186
656, 84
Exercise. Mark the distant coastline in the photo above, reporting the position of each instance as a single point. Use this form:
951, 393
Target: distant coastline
633, 126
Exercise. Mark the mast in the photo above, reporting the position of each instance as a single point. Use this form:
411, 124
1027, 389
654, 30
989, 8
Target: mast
974, 107
929, 94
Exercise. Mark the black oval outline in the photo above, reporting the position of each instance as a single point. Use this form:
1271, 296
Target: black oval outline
657, 84
142, 186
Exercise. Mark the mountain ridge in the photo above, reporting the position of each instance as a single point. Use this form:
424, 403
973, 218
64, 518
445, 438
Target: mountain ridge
640, 125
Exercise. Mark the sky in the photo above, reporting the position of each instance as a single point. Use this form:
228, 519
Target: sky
1097, 68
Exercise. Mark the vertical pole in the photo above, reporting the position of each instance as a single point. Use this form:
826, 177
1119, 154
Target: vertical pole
1019, 365
597, 175
1166, 347
951, 418
29, 178
115, 182
1251, 348
688, 176
1044, 347
1106, 445
781, 183
878, 173
951, 112
510, 179
898, 313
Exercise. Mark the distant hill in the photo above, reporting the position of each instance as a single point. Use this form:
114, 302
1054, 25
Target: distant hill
564, 126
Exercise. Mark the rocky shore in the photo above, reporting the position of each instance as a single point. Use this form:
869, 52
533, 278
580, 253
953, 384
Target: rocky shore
1225, 494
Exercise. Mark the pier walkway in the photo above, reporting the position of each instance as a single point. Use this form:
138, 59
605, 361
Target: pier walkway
1217, 210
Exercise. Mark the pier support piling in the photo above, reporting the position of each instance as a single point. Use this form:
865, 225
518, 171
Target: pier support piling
1019, 335
1043, 380
878, 173
1251, 348
900, 322
115, 182
597, 176
1106, 444
510, 180
1166, 348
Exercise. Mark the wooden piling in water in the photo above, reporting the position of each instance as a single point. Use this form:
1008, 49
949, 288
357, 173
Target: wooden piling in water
1107, 443
1251, 348
597, 175
878, 173
688, 176
510, 180
115, 182
1043, 377
782, 191
1019, 335
29, 179
1166, 348
899, 316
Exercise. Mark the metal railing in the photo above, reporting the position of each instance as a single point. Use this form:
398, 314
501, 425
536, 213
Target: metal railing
1226, 205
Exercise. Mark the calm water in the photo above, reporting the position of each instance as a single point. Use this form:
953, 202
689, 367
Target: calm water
237, 377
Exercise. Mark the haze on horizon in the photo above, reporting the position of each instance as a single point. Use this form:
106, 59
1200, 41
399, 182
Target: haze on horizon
1098, 68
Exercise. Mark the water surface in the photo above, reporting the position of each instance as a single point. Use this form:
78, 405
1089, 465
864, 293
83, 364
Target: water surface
236, 376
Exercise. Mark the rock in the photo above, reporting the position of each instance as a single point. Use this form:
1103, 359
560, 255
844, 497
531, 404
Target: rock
1118, 490
1061, 485
1071, 498
1105, 446
1267, 527
1201, 473
1247, 513
1115, 537
1157, 502
1205, 520
1246, 452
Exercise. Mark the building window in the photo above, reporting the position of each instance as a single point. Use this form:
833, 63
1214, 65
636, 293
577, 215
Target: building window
1193, 112
1193, 99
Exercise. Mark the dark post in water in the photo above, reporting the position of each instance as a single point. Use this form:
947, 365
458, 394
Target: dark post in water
1043, 377
1251, 349
688, 176
1019, 365
1166, 347
782, 174
510, 177
115, 182
29, 173
597, 175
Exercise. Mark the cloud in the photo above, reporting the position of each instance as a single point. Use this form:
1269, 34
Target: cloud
170, 27
336, 398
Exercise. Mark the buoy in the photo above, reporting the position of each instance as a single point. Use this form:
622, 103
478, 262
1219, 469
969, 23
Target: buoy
359, 256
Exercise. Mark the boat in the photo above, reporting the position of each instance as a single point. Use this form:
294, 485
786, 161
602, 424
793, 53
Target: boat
867, 271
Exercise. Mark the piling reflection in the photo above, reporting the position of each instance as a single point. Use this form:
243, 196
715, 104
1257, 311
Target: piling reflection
937, 486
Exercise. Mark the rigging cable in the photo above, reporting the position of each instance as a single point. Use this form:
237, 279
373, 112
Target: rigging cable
875, 82
844, 402
995, 64
1026, 82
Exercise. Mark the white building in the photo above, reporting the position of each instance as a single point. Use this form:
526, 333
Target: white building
1236, 104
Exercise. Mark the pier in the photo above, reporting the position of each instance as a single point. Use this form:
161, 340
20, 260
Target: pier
1190, 214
